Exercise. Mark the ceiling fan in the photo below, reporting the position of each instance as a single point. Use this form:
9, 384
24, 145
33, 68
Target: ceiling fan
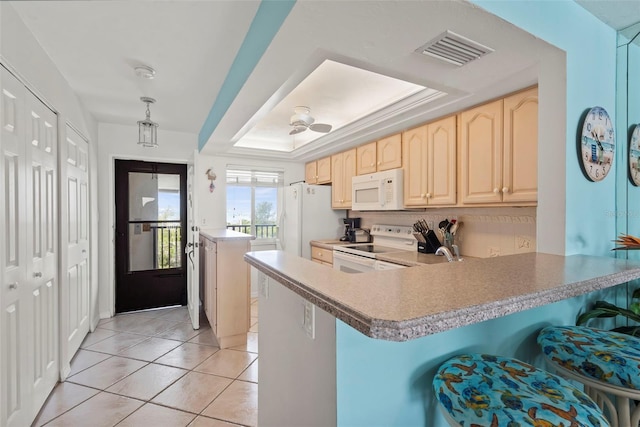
302, 120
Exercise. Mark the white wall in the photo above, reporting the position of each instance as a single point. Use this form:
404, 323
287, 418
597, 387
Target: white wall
21, 53
212, 206
120, 142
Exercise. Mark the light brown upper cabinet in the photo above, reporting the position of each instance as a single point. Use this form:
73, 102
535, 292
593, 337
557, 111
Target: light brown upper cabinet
429, 162
318, 172
380, 155
343, 168
498, 145
520, 175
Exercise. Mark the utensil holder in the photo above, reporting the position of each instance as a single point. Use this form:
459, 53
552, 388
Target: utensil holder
431, 243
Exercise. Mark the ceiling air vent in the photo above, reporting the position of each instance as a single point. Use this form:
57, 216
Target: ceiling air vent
454, 49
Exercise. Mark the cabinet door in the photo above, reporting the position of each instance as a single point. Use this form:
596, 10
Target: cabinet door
441, 162
366, 158
337, 181
311, 173
349, 164
389, 152
233, 299
211, 291
414, 146
520, 174
323, 169
481, 153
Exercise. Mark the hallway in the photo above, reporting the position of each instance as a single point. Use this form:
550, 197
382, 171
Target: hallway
151, 368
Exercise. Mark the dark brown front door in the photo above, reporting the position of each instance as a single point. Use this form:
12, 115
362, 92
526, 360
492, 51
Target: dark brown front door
151, 214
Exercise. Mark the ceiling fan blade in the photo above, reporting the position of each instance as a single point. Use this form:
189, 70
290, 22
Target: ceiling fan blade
297, 129
320, 127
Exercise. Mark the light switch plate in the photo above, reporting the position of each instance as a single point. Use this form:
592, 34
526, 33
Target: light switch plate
309, 320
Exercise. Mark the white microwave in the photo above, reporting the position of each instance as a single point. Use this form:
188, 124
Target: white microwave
380, 191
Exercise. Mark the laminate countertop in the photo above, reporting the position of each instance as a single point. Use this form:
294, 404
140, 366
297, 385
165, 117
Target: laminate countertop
408, 303
218, 234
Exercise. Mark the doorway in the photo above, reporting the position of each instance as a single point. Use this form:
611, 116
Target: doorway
151, 214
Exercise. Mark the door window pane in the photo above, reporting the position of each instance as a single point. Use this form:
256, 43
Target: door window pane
154, 221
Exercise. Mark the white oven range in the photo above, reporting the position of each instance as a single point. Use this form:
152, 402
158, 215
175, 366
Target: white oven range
362, 257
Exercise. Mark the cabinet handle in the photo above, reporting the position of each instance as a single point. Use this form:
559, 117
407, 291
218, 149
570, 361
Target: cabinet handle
496, 190
372, 164
422, 196
13, 285
37, 274
505, 189
379, 163
428, 195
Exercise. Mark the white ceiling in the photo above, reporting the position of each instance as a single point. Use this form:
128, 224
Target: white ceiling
192, 44
617, 14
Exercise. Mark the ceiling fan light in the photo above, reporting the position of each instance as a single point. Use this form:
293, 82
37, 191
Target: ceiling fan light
297, 129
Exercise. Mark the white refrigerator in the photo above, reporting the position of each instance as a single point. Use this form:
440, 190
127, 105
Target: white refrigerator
307, 215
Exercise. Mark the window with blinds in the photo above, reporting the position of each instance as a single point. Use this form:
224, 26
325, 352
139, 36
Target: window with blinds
253, 197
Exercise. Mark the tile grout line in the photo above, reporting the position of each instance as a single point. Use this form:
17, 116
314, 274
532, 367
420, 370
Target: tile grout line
147, 363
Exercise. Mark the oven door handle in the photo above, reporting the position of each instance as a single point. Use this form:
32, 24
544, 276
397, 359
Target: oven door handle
369, 262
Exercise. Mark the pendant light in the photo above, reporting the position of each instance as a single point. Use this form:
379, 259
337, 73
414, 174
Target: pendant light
147, 129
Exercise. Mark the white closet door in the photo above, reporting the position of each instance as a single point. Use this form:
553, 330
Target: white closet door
74, 245
41, 243
14, 292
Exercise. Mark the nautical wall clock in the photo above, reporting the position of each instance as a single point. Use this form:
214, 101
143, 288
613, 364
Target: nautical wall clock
634, 156
597, 144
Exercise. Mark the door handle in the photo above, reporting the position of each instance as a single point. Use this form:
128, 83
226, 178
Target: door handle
13, 285
37, 274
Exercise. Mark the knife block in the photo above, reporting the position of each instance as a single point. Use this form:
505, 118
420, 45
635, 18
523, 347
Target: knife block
431, 243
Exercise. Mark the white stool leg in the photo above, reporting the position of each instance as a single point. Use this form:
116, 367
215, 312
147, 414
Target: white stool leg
635, 416
623, 408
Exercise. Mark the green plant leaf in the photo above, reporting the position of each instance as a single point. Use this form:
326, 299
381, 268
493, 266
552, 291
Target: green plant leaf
628, 330
603, 309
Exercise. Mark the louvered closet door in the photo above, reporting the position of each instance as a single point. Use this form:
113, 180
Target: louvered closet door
74, 236
14, 293
41, 243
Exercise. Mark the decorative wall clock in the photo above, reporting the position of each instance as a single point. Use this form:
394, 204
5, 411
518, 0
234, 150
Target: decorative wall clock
634, 156
597, 144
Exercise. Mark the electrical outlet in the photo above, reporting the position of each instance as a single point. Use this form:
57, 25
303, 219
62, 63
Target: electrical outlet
523, 244
494, 251
309, 320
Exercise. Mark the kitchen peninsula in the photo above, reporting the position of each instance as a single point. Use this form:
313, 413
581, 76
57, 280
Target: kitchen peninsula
368, 354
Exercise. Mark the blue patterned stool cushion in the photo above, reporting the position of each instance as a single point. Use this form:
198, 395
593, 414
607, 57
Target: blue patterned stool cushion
485, 390
602, 355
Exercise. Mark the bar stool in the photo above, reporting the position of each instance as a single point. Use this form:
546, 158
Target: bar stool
487, 390
607, 363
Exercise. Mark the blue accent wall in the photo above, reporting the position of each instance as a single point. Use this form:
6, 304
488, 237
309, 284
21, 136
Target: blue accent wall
384, 383
269, 17
590, 46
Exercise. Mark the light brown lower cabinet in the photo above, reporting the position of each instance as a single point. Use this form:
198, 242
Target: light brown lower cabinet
226, 290
322, 255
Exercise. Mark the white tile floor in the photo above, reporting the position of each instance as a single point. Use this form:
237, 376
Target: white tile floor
152, 369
